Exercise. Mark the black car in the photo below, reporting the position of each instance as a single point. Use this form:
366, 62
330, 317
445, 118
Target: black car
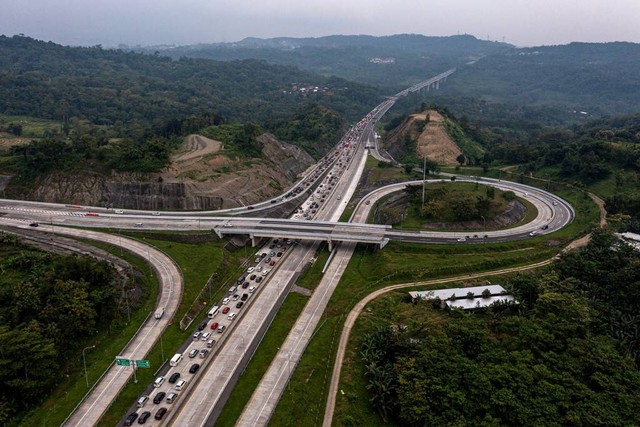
194, 368
130, 418
202, 325
33, 224
158, 398
239, 304
144, 417
244, 297
245, 285
160, 413
173, 378
253, 276
259, 279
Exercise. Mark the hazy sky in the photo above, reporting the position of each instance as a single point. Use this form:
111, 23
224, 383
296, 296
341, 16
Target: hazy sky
148, 22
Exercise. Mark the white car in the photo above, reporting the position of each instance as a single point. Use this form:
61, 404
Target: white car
225, 301
206, 336
533, 233
180, 385
158, 382
265, 271
232, 316
119, 211
250, 270
252, 289
462, 239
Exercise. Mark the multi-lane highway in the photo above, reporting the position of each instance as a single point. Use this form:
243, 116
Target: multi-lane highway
322, 195
553, 212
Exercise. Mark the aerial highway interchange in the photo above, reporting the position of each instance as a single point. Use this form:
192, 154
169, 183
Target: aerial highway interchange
321, 197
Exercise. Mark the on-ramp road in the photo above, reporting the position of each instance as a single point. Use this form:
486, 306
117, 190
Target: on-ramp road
98, 400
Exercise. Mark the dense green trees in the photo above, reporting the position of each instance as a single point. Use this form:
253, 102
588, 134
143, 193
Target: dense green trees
568, 355
85, 152
582, 78
414, 57
451, 203
120, 89
49, 306
313, 127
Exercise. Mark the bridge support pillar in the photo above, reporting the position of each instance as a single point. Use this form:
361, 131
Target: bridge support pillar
254, 240
438, 85
330, 242
218, 232
383, 243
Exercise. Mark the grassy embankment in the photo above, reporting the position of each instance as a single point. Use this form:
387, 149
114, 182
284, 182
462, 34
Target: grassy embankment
273, 339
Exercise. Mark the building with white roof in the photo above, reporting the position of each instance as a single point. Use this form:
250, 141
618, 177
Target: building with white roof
467, 298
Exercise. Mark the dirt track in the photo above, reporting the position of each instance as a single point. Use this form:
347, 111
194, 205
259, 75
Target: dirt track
196, 147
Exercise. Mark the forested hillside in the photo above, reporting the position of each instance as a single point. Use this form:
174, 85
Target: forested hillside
112, 87
594, 78
49, 306
566, 355
395, 61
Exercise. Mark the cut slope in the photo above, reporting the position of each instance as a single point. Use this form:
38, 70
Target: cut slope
434, 141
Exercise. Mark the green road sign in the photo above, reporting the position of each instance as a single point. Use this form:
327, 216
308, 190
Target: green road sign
143, 364
122, 362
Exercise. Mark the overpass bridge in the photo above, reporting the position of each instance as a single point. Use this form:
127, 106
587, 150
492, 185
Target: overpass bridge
316, 231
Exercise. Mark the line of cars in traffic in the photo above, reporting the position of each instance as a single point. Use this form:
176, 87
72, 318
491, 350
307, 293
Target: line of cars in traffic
206, 332
254, 274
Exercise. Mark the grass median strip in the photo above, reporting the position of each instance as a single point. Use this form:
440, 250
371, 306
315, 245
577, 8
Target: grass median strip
273, 339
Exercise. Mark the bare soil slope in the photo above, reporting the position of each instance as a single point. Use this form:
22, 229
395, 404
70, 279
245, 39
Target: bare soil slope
434, 142
203, 164
8, 140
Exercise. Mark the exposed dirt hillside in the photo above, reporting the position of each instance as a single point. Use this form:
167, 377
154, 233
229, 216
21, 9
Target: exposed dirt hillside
203, 164
8, 140
200, 176
432, 140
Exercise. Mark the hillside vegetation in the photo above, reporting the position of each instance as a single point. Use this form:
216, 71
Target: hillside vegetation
49, 306
394, 61
116, 88
594, 78
566, 355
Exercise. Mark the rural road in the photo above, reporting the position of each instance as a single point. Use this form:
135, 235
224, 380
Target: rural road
357, 309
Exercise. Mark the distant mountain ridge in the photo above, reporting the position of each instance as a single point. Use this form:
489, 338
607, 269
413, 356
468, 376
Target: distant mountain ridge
415, 57
601, 78
598, 78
